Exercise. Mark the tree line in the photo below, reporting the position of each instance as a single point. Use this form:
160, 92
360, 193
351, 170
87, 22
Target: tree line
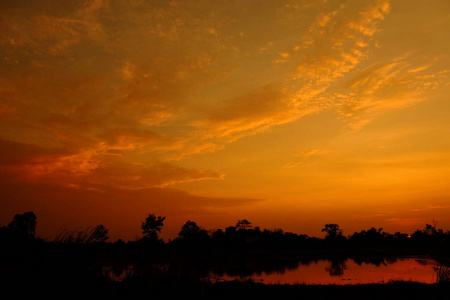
242, 234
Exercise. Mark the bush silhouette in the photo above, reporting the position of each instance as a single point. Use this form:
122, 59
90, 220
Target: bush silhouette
24, 224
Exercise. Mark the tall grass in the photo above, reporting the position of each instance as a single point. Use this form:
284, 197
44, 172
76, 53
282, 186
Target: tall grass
443, 274
75, 236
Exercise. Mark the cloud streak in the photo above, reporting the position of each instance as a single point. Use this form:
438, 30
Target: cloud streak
381, 88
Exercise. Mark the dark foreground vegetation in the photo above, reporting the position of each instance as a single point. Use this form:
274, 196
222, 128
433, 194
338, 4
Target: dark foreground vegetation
80, 263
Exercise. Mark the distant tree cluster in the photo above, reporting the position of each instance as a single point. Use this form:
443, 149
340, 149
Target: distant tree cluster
240, 236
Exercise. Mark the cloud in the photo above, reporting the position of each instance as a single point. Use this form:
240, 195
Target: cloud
430, 207
305, 157
103, 88
375, 215
139, 176
14, 153
84, 168
247, 114
404, 221
333, 45
383, 87
137, 140
101, 72
46, 31
61, 33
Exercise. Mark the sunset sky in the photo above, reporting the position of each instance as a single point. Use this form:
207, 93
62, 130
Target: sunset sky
290, 114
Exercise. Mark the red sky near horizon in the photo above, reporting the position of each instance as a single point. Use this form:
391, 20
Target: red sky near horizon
290, 114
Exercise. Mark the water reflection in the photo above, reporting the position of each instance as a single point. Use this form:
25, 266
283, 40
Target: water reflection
336, 267
117, 273
308, 271
340, 271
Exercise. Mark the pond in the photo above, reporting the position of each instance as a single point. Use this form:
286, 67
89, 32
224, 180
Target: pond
341, 272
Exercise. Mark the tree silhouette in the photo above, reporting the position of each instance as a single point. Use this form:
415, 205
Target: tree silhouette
24, 224
189, 229
430, 230
152, 226
243, 224
99, 234
333, 231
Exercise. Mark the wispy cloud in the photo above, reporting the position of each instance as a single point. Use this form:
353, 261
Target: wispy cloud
305, 157
247, 114
405, 221
431, 207
332, 46
381, 88
99, 166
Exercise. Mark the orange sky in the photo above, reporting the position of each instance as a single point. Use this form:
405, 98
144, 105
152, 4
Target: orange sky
291, 114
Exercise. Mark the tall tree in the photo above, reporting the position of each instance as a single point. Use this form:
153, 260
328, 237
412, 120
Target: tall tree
333, 231
152, 226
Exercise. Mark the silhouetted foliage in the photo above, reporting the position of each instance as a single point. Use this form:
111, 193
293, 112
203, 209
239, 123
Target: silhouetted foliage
218, 234
189, 229
333, 231
191, 236
99, 234
371, 237
430, 236
75, 236
230, 230
443, 274
24, 224
243, 224
152, 226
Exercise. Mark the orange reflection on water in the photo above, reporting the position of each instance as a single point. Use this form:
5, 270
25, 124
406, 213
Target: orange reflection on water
349, 271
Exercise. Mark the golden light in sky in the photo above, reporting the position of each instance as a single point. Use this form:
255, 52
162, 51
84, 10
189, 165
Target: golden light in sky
290, 114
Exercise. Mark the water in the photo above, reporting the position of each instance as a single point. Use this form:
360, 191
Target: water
342, 272
306, 271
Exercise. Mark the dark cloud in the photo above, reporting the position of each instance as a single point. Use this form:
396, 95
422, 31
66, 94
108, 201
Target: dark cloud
83, 167
15, 153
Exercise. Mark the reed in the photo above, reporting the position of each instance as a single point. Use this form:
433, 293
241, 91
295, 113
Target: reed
443, 274
75, 236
